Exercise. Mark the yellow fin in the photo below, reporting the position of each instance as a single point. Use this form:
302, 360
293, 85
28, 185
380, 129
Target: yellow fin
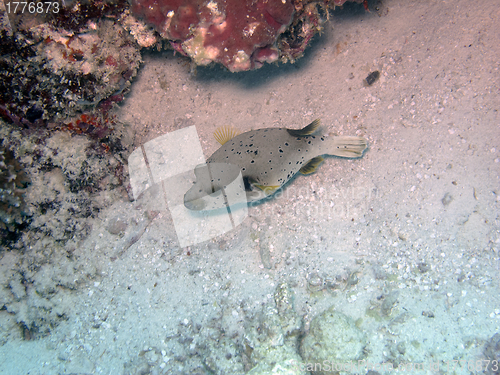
312, 165
347, 146
224, 133
269, 190
308, 130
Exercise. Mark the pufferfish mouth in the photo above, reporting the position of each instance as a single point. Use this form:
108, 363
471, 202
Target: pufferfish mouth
195, 205
209, 201
217, 185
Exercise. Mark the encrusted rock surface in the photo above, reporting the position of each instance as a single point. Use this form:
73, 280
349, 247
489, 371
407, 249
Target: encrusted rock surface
272, 340
53, 70
333, 338
13, 183
492, 353
239, 34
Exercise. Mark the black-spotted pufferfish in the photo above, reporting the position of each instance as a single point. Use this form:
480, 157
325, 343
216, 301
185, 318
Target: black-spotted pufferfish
267, 159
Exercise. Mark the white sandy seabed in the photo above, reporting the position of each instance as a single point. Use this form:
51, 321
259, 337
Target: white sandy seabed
405, 240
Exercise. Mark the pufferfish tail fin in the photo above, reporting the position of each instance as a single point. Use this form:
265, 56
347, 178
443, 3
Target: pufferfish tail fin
345, 146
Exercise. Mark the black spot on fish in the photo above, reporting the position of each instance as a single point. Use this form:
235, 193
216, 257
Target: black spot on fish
253, 161
286, 143
280, 150
255, 152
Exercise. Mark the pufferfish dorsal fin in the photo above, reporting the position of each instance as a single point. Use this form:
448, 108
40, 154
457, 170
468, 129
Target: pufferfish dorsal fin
225, 133
308, 130
312, 165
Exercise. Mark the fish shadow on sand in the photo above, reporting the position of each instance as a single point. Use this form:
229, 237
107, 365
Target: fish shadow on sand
281, 191
268, 73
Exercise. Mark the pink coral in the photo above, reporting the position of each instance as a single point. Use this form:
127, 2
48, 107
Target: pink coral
240, 34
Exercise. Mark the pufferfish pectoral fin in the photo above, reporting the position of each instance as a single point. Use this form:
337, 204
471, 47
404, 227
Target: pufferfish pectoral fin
312, 165
250, 183
308, 130
268, 190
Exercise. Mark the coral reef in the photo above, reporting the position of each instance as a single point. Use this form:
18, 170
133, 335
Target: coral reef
309, 17
333, 338
56, 66
33, 298
239, 34
70, 64
72, 179
13, 183
68, 173
66, 195
307, 21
